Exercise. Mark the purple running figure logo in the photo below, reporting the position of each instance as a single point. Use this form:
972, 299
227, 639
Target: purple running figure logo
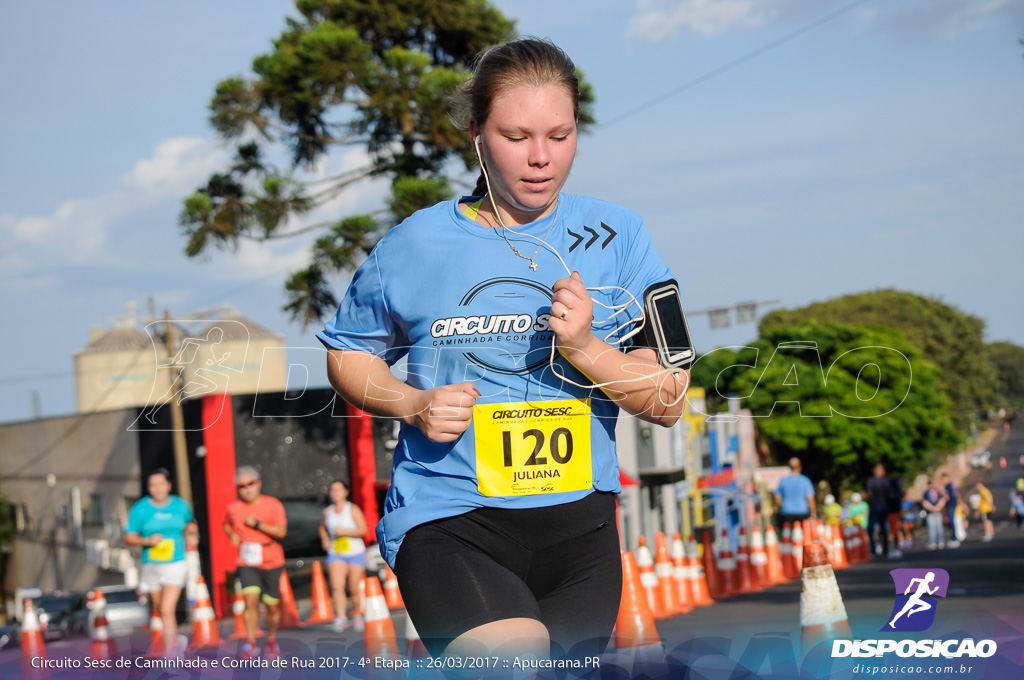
916, 589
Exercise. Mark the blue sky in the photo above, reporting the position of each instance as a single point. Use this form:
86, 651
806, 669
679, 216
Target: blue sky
882, 149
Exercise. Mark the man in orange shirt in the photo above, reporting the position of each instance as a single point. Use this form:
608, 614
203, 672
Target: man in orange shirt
255, 523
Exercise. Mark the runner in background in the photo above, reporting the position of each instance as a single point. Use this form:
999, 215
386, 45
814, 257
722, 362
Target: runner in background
934, 503
795, 495
952, 503
896, 537
163, 525
255, 523
986, 506
1017, 506
859, 510
831, 510
342, 528
879, 490
908, 515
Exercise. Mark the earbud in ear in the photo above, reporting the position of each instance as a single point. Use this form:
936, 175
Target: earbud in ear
477, 140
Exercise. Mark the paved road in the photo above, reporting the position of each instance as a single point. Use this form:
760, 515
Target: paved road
754, 636
985, 598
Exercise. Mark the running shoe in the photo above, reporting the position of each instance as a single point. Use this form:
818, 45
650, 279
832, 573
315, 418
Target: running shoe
339, 625
271, 650
953, 544
248, 651
177, 650
357, 624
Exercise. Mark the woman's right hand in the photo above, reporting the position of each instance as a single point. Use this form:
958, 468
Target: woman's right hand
444, 413
155, 539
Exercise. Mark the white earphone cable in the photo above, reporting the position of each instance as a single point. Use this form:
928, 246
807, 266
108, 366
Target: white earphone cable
618, 309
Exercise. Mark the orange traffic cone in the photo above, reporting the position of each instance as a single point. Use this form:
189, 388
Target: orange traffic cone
744, 573
635, 634
826, 540
103, 647
379, 637
392, 595
414, 647
1002, 461
714, 578
838, 549
204, 621
822, 612
698, 580
668, 590
852, 541
649, 579
323, 611
798, 548
759, 559
680, 574
32, 645
156, 634
727, 566
789, 569
771, 545
809, 531
238, 609
289, 611
865, 543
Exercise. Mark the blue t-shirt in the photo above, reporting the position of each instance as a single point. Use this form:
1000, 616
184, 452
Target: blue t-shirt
146, 519
794, 490
449, 295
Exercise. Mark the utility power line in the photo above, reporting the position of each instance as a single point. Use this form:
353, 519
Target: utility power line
735, 62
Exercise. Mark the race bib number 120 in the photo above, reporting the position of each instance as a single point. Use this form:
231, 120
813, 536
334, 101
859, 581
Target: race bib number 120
526, 448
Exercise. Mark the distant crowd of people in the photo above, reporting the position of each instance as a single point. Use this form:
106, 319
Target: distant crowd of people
890, 518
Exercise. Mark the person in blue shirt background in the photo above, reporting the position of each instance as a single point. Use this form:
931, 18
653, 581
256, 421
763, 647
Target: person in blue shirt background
795, 495
162, 524
505, 471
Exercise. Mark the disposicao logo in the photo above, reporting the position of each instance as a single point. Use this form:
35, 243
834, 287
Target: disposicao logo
913, 612
916, 590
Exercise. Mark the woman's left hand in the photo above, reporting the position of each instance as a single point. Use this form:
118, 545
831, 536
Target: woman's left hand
572, 314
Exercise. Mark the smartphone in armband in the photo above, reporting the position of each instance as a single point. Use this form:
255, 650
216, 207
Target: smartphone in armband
666, 330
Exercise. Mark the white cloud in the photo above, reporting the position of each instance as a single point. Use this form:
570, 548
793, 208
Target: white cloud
78, 228
176, 166
657, 20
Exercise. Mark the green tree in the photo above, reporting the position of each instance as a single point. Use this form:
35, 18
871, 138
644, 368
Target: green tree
1009, 362
345, 73
840, 397
947, 337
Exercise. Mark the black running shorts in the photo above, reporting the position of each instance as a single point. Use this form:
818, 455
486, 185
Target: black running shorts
559, 565
266, 581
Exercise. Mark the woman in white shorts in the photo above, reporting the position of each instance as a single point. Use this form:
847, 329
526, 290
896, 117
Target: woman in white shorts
341, 534
163, 525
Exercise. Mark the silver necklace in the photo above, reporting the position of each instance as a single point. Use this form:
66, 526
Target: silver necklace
504, 233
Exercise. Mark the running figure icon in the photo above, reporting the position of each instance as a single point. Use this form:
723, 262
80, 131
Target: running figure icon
915, 604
